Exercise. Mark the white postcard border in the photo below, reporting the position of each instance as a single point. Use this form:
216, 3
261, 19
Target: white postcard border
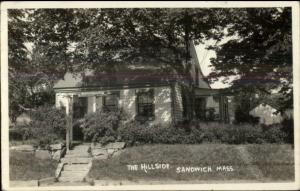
130, 4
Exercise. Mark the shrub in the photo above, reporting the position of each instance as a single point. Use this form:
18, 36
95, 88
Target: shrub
47, 125
288, 128
135, 132
274, 134
102, 126
170, 135
19, 133
107, 127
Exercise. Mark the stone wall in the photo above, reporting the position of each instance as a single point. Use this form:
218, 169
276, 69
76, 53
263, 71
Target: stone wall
102, 152
54, 151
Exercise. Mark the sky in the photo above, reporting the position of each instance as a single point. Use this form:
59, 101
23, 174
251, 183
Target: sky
204, 57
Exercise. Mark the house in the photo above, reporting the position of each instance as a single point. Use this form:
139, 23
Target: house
149, 89
268, 114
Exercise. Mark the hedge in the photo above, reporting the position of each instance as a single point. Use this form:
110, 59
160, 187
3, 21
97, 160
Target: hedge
48, 126
105, 127
203, 132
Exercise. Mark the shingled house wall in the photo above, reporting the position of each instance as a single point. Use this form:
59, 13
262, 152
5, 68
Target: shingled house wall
128, 102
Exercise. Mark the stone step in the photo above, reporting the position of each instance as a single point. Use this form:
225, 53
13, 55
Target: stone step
77, 160
78, 174
70, 179
80, 149
75, 167
77, 152
82, 155
83, 147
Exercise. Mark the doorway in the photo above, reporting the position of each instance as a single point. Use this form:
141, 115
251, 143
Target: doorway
200, 108
80, 105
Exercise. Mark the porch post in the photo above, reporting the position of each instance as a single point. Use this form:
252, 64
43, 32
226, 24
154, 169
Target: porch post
94, 103
221, 108
69, 126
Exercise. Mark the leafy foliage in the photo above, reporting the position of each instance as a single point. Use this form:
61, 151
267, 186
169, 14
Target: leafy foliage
274, 134
245, 101
259, 49
29, 86
17, 58
258, 52
288, 128
47, 126
142, 33
101, 126
135, 133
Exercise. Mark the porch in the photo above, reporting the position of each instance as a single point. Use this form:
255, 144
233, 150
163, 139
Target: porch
152, 104
213, 105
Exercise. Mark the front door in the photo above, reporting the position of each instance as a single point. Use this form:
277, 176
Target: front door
200, 108
79, 110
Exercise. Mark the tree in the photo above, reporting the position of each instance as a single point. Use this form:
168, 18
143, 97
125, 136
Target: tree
103, 39
118, 36
18, 61
28, 85
259, 52
71, 40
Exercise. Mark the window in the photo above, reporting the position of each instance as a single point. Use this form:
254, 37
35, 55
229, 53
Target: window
110, 102
145, 104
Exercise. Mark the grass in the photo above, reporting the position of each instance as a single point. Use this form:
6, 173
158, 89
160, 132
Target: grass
24, 166
263, 163
32, 142
20, 142
276, 162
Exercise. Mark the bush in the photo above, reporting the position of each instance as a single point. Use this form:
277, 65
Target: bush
102, 126
288, 128
274, 134
105, 127
19, 133
135, 132
47, 126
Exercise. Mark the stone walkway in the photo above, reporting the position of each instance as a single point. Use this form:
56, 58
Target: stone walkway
77, 162
75, 165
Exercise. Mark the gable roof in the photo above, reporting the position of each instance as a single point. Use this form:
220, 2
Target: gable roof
126, 76
198, 74
151, 71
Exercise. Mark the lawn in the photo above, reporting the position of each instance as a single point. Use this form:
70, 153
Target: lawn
213, 162
24, 166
